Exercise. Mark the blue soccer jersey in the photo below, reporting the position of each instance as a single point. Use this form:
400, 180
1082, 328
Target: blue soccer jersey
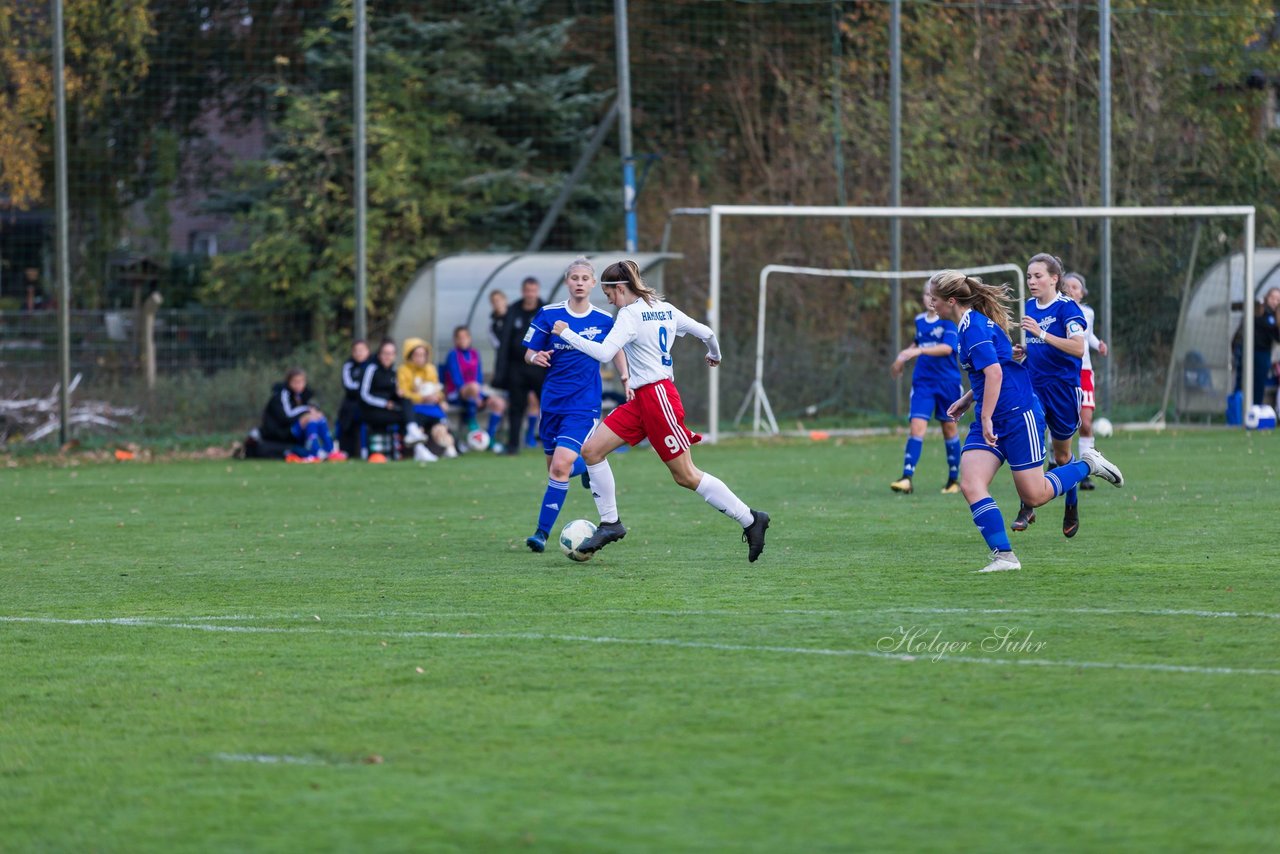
935, 371
1046, 363
572, 383
983, 343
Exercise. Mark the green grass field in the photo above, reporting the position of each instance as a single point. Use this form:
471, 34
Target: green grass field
251, 656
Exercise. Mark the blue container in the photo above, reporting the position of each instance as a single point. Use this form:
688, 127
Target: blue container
1235, 408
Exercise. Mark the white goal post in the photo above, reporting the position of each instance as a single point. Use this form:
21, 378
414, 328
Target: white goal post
757, 393
718, 213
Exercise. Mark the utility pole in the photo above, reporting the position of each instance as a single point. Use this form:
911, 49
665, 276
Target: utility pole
624, 125
60, 215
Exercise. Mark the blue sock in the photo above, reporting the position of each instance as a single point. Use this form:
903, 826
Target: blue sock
990, 521
1065, 477
579, 466
469, 407
912, 456
494, 420
552, 501
531, 430
953, 458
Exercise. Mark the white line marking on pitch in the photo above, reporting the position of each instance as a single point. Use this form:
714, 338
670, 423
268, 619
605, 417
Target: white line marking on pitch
447, 615
138, 622
268, 759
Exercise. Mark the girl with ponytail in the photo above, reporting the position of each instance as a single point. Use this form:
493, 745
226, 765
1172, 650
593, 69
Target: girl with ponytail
1008, 426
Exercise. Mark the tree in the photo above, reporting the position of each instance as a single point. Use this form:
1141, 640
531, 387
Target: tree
473, 119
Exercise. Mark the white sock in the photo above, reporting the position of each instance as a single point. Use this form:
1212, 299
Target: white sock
604, 491
721, 497
1086, 442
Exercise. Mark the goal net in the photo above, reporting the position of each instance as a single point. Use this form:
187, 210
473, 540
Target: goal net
828, 340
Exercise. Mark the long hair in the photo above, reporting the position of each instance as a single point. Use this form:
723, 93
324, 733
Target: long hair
627, 273
972, 292
1053, 264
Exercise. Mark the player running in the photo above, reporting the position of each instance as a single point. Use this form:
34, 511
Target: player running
1073, 286
644, 328
571, 389
935, 385
1055, 338
1007, 426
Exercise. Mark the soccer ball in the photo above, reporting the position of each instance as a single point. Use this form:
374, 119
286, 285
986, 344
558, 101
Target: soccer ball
574, 534
1102, 428
478, 440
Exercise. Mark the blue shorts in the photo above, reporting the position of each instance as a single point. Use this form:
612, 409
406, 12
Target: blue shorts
1061, 404
932, 402
568, 430
1019, 440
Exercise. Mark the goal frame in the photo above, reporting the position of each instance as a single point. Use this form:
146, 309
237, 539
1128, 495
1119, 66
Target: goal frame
757, 392
717, 214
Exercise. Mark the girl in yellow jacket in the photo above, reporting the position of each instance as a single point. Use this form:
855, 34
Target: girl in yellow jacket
419, 383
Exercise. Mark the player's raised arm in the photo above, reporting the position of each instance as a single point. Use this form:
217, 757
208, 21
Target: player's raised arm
623, 333
686, 325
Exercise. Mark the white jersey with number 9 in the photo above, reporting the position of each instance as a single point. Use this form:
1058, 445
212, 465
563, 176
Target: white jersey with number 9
646, 332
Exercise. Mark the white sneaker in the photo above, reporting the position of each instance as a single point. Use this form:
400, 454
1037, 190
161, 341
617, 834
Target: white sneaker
423, 455
497, 448
414, 434
1099, 466
1002, 562
451, 452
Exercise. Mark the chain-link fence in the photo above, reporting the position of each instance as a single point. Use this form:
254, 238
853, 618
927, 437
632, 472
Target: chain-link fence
210, 155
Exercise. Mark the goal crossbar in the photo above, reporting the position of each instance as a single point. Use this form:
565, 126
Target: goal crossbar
757, 395
718, 213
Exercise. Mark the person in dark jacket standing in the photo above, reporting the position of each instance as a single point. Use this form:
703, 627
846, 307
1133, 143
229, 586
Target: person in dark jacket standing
290, 419
522, 381
349, 415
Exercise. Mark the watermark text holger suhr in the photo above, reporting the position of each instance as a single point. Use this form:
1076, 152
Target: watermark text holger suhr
921, 641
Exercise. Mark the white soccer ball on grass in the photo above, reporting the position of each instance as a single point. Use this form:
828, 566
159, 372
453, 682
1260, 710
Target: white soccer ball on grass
573, 535
1102, 427
478, 440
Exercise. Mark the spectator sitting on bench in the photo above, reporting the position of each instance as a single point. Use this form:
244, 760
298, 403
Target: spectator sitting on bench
418, 382
289, 419
464, 386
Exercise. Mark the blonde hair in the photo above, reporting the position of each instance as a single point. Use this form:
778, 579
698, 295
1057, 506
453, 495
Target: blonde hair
580, 261
627, 273
972, 292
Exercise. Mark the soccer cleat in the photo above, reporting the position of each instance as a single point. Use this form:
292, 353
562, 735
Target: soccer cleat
538, 542
423, 454
1101, 467
607, 532
952, 487
753, 534
1070, 520
1086, 484
902, 485
1025, 519
337, 457
1002, 562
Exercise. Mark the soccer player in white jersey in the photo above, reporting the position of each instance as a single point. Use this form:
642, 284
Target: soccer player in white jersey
645, 327
1074, 287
